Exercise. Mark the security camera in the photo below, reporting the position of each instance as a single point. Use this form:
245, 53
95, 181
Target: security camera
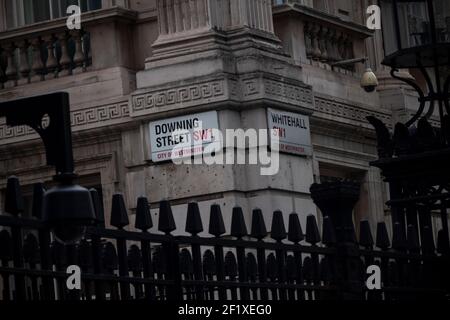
369, 81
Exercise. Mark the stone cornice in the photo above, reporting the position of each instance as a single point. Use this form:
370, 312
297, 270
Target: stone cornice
222, 88
334, 109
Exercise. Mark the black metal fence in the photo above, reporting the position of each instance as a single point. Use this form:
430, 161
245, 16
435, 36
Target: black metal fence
285, 265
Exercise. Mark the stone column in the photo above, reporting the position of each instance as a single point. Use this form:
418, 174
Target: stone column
2, 16
177, 17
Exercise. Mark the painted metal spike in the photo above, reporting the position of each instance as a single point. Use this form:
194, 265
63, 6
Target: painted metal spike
398, 237
238, 227
216, 224
295, 233
382, 240
119, 215
291, 268
194, 224
14, 203
307, 269
428, 245
312, 231
365, 234
159, 261
252, 267
166, 222
38, 197
98, 208
230, 265
109, 257
413, 239
31, 249
209, 263
259, 230
186, 266
143, 216
272, 267
134, 259
278, 231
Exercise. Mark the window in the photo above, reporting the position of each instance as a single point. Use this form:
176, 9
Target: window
24, 12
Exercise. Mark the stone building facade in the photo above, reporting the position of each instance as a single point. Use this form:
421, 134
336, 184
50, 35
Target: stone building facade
138, 61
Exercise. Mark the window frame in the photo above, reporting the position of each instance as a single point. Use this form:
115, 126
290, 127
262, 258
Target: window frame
19, 16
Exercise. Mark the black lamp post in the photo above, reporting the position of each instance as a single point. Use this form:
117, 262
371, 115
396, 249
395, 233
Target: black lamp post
67, 208
415, 159
417, 36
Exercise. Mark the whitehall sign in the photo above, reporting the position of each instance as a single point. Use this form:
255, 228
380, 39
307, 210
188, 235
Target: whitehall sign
293, 131
194, 130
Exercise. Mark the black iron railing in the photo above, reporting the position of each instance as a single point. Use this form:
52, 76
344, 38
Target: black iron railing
286, 265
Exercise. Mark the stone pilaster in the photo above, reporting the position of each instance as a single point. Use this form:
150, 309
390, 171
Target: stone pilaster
187, 26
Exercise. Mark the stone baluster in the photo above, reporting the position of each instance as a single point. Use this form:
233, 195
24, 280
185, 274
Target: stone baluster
2, 71
323, 44
340, 47
52, 63
308, 40
315, 41
78, 58
24, 66
65, 62
38, 66
349, 54
11, 69
332, 45
328, 46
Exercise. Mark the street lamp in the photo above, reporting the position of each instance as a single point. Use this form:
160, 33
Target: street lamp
415, 159
67, 208
417, 36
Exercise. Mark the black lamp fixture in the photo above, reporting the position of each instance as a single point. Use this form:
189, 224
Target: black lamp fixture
67, 208
417, 36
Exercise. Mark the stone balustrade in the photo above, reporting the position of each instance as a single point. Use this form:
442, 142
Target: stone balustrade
327, 44
321, 39
49, 50
43, 56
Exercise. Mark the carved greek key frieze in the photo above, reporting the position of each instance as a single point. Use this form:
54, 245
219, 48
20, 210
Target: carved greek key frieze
288, 91
100, 115
186, 94
347, 111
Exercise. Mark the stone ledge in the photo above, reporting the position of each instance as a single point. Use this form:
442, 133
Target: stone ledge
82, 119
332, 108
244, 88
